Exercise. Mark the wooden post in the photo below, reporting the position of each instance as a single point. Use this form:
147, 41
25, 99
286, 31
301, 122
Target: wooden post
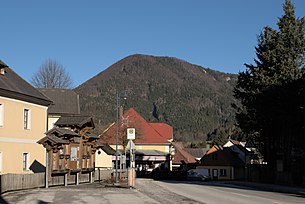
66, 179
47, 170
77, 179
91, 177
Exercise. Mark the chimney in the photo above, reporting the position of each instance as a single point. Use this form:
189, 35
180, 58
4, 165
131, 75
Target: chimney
2, 71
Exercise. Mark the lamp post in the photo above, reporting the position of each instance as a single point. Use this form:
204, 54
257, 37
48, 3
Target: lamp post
118, 96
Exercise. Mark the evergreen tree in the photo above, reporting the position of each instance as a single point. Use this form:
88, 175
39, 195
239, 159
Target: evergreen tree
267, 89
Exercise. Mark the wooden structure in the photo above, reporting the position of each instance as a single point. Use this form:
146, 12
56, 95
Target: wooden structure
70, 147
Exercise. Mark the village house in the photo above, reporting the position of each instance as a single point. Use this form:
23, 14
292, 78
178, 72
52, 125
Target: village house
223, 164
23, 121
153, 141
239, 148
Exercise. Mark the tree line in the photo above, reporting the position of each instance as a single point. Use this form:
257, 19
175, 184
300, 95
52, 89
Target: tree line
271, 95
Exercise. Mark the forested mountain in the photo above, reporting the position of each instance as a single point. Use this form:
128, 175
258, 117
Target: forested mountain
193, 99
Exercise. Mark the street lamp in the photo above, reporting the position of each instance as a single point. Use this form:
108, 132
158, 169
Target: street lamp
118, 96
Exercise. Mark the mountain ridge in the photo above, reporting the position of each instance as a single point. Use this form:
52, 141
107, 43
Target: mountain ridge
193, 99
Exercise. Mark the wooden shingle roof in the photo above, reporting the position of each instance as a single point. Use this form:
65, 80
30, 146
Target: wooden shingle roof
61, 131
2, 64
53, 140
74, 121
13, 86
65, 101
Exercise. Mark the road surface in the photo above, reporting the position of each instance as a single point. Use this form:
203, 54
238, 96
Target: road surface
150, 192
215, 193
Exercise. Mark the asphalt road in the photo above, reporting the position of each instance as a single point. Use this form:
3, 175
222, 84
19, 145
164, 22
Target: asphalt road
150, 192
216, 192
84, 193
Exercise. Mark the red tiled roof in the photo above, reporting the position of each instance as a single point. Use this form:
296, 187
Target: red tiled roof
181, 156
163, 129
146, 133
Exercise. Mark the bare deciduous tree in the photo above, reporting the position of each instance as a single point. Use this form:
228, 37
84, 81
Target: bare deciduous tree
51, 74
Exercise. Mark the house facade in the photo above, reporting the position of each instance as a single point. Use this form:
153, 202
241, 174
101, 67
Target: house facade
23, 121
223, 164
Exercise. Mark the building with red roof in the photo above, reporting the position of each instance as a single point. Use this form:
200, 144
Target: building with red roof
152, 140
182, 159
146, 133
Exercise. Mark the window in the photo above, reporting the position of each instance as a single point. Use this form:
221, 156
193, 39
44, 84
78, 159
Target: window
25, 161
1, 115
223, 172
60, 163
73, 156
215, 156
27, 119
54, 163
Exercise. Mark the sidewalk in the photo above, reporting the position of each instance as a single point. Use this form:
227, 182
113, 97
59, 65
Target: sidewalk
270, 187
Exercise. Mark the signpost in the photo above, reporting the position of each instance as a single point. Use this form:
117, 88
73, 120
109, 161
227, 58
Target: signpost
131, 135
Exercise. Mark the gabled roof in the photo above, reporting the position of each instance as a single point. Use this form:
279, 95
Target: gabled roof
163, 129
53, 140
91, 135
237, 144
2, 64
214, 148
74, 121
108, 150
61, 132
145, 132
13, 86
196, 152
183, 157
223, 156
65, 101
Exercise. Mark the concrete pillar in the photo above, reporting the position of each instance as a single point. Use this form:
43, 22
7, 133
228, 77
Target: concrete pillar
131, 177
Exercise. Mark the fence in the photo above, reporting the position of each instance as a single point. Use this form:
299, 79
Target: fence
12, 182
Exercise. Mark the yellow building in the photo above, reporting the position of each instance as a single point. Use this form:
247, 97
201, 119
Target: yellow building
23, 121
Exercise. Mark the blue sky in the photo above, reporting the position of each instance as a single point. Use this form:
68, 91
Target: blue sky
86, 37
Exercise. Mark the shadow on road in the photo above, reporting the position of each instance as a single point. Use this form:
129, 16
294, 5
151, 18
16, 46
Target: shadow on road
290, 191
2, 201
